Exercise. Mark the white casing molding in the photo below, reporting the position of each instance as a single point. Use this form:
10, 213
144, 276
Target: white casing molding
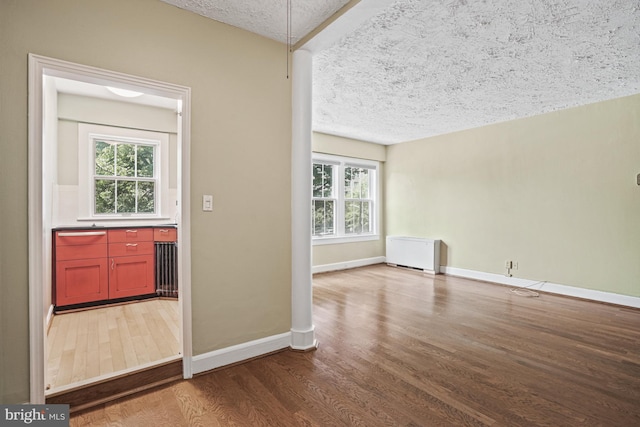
40, 66
554, 288
348, 264
238, 353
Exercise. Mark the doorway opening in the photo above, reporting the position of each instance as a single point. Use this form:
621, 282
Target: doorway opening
49, 204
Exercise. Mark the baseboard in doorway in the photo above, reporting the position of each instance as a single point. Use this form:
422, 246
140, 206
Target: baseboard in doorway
49, 319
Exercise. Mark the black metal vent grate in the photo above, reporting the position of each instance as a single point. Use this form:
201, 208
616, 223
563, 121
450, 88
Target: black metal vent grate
167, 269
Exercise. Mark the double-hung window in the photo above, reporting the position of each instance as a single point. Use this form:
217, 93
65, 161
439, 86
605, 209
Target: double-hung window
344, 199
125, 176
122, 173
324, 199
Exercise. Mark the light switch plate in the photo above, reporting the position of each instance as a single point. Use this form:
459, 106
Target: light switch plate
207, 203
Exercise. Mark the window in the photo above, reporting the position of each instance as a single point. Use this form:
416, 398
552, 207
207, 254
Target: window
124, 177
122, 173
324, 201
344, 197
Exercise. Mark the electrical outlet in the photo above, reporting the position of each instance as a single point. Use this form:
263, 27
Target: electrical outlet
508, 264
514, 265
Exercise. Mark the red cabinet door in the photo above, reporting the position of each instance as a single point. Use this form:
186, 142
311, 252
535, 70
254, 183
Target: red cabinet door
81, 280
131, 276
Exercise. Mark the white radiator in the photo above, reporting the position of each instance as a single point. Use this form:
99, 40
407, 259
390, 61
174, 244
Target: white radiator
423, 254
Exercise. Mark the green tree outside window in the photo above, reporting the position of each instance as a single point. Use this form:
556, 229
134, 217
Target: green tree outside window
124, 180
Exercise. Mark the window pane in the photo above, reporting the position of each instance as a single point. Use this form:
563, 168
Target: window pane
145, 161
105, 191
356, 183
146, 199
322, 180
126, 161
356, 217
348, 180
126, 196
104, 161
323, 222
365, 221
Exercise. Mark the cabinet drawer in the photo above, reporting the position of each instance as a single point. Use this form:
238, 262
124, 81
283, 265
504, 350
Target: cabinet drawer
126, 249
69, 252
165, 234
131, 235
80, 237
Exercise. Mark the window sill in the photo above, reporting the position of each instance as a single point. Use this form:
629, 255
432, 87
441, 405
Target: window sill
334, 240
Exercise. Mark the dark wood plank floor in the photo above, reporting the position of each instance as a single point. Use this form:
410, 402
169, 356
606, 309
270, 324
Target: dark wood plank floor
401, 348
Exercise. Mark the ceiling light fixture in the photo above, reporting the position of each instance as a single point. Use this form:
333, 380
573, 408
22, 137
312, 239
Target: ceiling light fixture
124, 92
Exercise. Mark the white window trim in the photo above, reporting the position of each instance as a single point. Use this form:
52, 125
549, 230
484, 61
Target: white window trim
86, 134
340, 236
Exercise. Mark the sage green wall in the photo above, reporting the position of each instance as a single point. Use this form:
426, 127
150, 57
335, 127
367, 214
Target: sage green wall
337, 145
344, 252
555, 192
241, 121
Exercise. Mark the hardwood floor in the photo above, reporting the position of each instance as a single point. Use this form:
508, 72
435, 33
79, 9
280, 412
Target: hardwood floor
95, 343
398, 347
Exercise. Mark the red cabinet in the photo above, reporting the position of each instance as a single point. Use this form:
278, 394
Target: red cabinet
81, 271
165, 234
105, 264
131, 262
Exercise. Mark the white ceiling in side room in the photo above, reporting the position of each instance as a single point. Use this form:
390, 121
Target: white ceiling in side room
393, 71
91, 90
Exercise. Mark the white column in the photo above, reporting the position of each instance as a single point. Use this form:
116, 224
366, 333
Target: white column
302, 330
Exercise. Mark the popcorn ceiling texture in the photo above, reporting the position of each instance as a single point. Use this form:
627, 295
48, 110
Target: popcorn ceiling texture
266, 17
421, 68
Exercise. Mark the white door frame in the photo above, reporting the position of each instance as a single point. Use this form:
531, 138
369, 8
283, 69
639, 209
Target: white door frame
40, 66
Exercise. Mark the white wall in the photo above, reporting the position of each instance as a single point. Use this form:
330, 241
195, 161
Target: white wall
75, 109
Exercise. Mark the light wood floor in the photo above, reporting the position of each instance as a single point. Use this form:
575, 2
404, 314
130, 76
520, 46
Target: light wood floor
93, 343
401, 348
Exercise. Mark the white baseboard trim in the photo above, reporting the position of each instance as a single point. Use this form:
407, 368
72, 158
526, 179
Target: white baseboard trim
553, 288
347, 264
238, 353
48, 319
303, 340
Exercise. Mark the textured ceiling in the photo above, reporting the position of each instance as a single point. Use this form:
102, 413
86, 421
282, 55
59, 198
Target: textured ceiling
266, 17
423, 68
393, 71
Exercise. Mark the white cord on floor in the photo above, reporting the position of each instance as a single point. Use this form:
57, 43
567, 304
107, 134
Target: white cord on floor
524, 291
